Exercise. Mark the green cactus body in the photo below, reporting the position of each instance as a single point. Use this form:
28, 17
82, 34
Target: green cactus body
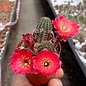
45, 44
44, 34
44, 24
44, 28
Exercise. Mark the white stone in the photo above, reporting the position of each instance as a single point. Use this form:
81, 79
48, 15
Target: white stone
78, 45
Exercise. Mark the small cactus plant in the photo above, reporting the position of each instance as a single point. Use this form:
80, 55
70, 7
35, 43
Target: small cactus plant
43, 30
44, 35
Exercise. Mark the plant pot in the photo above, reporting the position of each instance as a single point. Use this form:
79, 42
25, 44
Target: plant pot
38, 79
19, 44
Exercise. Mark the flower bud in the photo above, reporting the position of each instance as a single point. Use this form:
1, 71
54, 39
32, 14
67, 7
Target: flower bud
28, 40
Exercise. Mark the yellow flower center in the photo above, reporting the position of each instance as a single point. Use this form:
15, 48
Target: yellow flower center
46, 63
26, 61
65, 28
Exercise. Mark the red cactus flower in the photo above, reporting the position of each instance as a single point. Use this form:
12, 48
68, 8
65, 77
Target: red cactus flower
65, 27
28, 39
47, 62
21, 62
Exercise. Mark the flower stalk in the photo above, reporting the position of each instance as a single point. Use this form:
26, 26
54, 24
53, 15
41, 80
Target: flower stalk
58, 40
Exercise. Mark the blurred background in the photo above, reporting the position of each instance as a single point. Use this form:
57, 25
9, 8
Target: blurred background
30, 12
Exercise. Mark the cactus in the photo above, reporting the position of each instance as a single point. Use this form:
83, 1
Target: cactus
44, 24
43, 30
45, 44
44, 35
